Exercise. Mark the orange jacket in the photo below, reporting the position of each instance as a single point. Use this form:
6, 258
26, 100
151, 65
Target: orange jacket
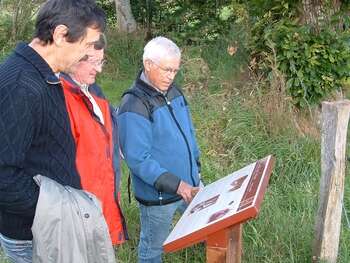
94, 156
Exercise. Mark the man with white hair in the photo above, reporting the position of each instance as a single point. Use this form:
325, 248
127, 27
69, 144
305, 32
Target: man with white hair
157, 139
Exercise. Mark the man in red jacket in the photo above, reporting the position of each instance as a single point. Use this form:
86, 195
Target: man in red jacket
95, 139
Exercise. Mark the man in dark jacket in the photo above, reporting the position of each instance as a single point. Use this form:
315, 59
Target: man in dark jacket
158, 141
35, 130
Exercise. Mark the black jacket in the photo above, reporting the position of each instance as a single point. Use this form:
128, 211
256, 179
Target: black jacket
35, 138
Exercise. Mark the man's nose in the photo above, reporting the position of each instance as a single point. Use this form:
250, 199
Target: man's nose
98, 68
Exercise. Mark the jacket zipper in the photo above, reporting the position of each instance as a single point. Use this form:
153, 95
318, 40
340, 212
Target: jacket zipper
160, 197
168, 103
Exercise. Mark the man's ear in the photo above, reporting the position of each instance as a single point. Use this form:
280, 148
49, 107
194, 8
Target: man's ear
59, 35
147, 64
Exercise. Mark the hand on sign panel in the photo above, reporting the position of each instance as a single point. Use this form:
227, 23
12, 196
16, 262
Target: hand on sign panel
194, 191
186, 191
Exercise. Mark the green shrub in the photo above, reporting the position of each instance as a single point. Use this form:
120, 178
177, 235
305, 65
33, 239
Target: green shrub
109, 7
17, 19
5, 26
314, 64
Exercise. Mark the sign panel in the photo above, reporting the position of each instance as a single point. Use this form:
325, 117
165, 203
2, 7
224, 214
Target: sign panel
222, 204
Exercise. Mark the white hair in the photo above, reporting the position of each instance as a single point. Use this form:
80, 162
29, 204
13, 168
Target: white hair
160, 47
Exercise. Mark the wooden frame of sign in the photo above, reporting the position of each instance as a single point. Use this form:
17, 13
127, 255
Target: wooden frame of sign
217, 212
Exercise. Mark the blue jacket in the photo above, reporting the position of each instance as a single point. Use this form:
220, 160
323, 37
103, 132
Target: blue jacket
157, 139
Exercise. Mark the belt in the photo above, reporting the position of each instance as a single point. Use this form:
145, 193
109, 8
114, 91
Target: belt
158, 202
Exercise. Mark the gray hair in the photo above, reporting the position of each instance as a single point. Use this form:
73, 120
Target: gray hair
160, 47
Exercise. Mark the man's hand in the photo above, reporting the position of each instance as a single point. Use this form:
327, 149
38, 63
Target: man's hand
187, 191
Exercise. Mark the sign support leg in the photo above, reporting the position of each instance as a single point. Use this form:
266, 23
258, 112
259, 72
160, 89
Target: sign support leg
225, 246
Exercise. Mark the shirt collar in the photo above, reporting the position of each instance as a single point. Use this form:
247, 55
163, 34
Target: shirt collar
144, 78
75, 84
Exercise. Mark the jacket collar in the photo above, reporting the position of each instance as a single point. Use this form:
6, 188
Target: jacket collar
151, 91
75, 89
24, 50
69, 83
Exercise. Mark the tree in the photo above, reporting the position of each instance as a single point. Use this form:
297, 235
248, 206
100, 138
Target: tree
317, 12
125, 19
17, 18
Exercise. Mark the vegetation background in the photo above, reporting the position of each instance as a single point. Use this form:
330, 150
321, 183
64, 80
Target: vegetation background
255, 73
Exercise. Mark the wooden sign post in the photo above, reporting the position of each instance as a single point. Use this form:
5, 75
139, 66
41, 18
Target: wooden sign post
225, 245
217, 213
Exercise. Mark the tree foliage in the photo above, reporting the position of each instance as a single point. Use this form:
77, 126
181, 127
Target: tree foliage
265, 25
17, 19
190, 22
312, 54
277, 29
315, 64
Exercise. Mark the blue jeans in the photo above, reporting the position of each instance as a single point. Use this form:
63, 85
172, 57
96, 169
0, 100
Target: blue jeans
155, 228
18, 251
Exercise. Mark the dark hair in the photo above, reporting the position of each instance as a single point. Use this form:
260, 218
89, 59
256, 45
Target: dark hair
101, 43
77, 15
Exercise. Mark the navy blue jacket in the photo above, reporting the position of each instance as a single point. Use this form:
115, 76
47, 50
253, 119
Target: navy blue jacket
35, 138
157, 139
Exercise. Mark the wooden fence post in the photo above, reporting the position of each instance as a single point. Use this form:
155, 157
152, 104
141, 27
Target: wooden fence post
335, 117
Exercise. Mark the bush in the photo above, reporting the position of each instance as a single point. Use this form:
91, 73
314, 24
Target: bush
17, 19
315, 65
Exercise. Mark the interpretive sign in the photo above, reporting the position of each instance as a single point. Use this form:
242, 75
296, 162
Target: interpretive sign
222, 204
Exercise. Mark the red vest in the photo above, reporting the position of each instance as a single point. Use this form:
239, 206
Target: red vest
94, 157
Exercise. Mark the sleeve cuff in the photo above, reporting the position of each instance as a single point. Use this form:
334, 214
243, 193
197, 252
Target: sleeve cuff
167, 183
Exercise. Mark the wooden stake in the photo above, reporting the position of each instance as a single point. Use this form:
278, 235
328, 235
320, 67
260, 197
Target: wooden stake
225, 246
335, 118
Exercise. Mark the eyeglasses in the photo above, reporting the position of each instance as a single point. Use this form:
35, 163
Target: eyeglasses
167, 70
97, 63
